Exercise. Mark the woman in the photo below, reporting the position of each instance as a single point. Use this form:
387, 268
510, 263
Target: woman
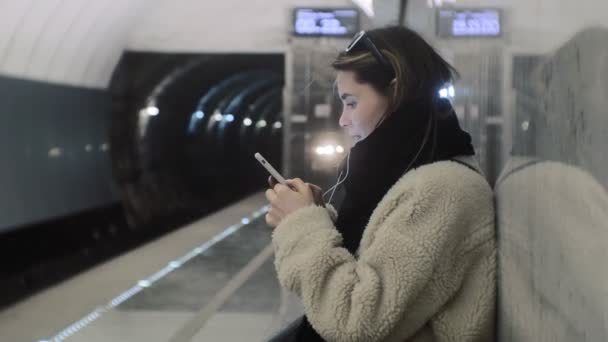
410, 255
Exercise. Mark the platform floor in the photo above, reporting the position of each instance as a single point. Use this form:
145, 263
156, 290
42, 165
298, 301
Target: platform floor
213, 280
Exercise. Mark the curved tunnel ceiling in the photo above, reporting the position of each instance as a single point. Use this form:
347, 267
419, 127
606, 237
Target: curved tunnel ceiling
79, 42
65, 41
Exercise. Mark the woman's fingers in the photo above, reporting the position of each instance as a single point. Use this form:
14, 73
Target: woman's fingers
300, 187
276, 212
271, 196
272, 182
279, 188
274, 216
317, 194
271, 220
315, 188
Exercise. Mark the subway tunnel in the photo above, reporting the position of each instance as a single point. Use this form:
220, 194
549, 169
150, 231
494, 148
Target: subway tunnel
133, 208
183, 144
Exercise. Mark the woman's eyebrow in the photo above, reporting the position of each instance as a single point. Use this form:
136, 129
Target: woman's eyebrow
345, 95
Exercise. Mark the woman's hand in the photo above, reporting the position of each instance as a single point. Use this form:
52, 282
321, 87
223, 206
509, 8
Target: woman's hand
284, 200
317, 192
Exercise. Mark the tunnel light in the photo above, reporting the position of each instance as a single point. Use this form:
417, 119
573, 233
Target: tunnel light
151, 110
245, 220
525, 125
277, 125
199, 114
328, 150
104, 147
88, 148
229, 117
447, 92
55, 152
247, 122
175, 264
218, 117
261, 123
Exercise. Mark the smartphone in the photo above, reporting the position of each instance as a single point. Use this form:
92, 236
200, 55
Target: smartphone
273, 172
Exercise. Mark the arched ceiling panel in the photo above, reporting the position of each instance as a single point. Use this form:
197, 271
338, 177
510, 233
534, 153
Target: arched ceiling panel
221, 26
74, 48
72, 42
79, 42
12, 15
52, 38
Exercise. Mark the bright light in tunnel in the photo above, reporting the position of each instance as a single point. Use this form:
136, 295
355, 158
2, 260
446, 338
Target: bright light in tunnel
447, 92
277, 125
151, 110
327, 150
261, 123
247, 122
218, 117
229, 117
55, 152
199, 114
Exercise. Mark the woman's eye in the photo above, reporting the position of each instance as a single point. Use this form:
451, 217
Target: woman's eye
351, 105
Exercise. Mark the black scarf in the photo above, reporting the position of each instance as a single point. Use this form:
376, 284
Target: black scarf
378, 161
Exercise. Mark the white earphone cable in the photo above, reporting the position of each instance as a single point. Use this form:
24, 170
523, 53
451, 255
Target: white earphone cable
340, 181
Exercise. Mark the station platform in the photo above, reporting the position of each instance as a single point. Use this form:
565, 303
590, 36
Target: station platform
213, 280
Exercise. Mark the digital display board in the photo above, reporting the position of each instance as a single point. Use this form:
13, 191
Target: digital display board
463, 23
330, 22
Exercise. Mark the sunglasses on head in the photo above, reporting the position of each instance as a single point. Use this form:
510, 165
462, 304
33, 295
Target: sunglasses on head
362, 40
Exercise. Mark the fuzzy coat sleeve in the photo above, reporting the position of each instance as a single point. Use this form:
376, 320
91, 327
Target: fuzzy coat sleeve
414, 262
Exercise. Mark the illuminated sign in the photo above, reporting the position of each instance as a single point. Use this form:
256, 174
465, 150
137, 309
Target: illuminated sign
456, 23
332, 22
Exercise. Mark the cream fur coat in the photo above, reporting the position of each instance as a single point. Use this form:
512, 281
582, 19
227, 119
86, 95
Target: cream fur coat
425, 269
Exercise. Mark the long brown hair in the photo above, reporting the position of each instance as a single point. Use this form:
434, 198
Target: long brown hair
418, 71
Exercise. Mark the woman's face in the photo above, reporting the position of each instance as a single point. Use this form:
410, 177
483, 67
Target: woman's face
362, 106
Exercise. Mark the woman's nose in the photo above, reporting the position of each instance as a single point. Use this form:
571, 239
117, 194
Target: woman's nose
344, 120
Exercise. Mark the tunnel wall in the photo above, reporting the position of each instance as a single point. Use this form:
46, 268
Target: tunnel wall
54, 151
